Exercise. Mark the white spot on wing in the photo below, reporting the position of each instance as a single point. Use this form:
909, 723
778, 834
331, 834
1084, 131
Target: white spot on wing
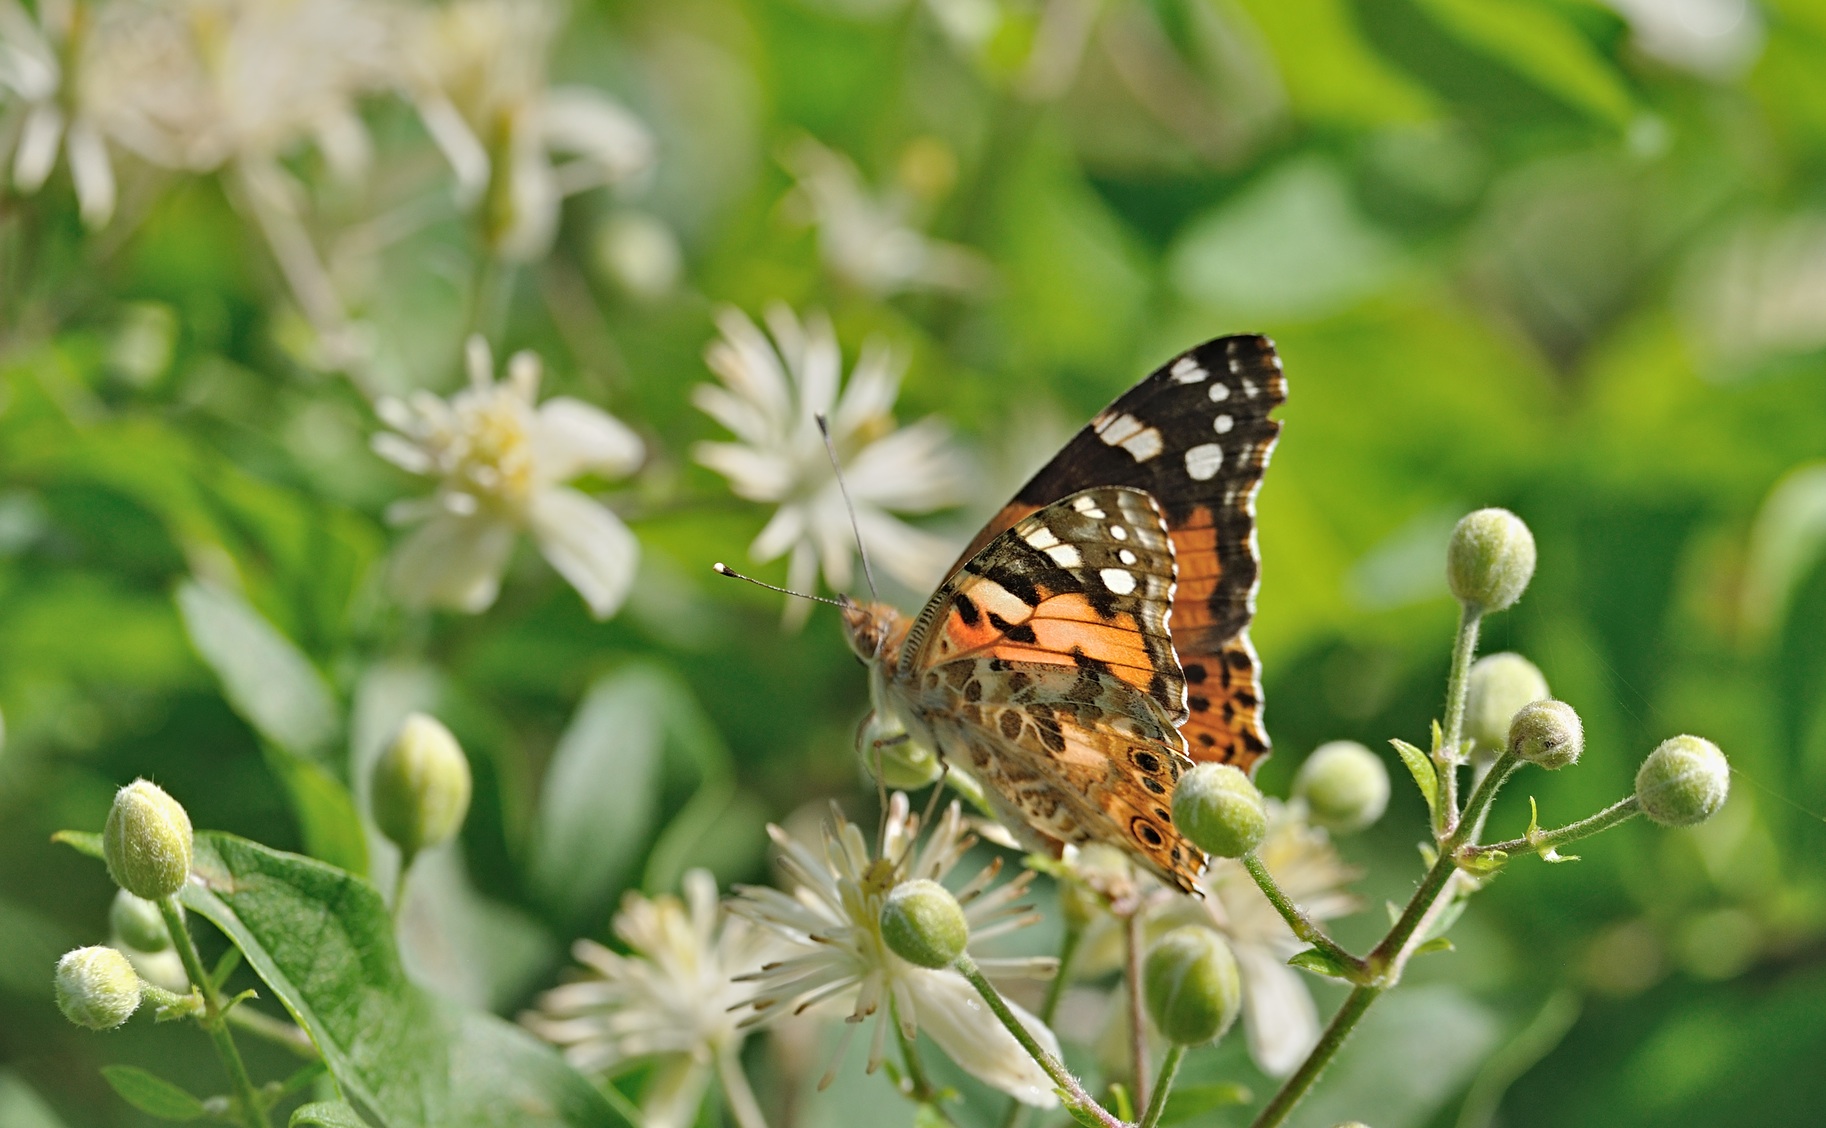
1222, 424
1117, 580
1065, 556
1119, 430
1042, 537
1249, 388
1220, 393
1126, 556
1088, 507
1144, 445
1204, 461
1119, 532
1187, 371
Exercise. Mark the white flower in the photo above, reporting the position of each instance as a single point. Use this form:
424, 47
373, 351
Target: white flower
869, 242
672, 1000
479, 78
831, 922
501, 465
1278, 1012
771, 394
36, 63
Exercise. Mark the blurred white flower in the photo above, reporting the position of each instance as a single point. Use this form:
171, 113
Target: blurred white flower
871, 242
771, 394
1718, 38
1278, 1012
502, 464
831, 925
672, 1000
37, 61
478, 74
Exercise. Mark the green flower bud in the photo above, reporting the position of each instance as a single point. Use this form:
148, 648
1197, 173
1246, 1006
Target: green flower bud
97, 988
1548, 733
1489, 560
1345, 786
138, 923
1683, 782
1191, 985
1498, 686
923, 924
906, 765
421, 786
1217, 807
147, 841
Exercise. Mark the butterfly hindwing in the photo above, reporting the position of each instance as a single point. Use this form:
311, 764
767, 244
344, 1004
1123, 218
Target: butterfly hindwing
1196, 435
1044, 667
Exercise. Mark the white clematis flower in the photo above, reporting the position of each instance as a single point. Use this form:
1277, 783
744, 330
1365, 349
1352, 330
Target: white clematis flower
831, 926
40, 68
770, 397
672, 1001
502, 462
478, 74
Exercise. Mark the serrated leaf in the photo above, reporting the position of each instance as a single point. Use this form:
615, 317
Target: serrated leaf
1194, 1100
81, 841
152, 1094
326, 1114
1426, 776
267, 679
1317, 962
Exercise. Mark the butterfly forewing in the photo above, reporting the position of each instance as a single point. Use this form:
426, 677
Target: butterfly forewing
1044, 667
1196, 435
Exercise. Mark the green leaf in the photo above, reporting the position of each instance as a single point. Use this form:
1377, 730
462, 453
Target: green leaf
1317, 962
267, 680
326, 812
82, 841
152, 1094
1189, 1101
326, 1114
1426, 777
1436, 944
322, 941
1534, 40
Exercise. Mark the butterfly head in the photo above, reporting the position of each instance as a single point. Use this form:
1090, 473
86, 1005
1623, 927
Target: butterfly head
873, 630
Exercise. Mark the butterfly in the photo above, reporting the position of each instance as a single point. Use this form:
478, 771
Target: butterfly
1093, 640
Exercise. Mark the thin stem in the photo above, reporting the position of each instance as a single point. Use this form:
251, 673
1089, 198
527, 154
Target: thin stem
253, 1113
1055, 1069
1168, 1070
398, 908
743, 1108
1621, 811
1055, 991
1342, 1023
1464, 648
274, 1030
1302, 925
1138, 1018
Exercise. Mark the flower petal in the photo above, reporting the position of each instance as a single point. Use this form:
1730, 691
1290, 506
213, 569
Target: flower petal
1278, 1012
37, 151
575, 437
576, 119
587, 544
91, 171
958, 1020
453, 562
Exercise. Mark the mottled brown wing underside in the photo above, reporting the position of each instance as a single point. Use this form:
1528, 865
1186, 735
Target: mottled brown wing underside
1197, 437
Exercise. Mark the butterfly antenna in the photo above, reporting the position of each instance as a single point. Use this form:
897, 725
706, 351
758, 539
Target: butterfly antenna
722, 569
830, 448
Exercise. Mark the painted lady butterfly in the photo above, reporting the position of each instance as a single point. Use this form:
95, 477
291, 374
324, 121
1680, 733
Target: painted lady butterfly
1093, 640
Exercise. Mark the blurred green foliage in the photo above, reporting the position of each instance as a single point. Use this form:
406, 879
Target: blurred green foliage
1559, 256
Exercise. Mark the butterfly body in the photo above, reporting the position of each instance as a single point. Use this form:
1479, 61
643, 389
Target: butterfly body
1092, 642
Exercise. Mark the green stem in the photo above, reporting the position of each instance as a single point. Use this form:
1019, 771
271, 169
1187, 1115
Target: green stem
252, 1112
1055, 991
1302, 925
274, 1030
1342, 1023
1464, 649
924, 1092
1138, 1017
1055, 1069
1168, 1070
406, 858
1537, 841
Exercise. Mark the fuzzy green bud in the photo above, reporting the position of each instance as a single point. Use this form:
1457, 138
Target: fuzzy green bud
1217, 807
96, 987
1220, 811
1345, 786
1684, 781
147, 841
1498, 686
1547, 733
905, 765
923, 924
1191, 985
138, 923
421, 786
1490, 560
